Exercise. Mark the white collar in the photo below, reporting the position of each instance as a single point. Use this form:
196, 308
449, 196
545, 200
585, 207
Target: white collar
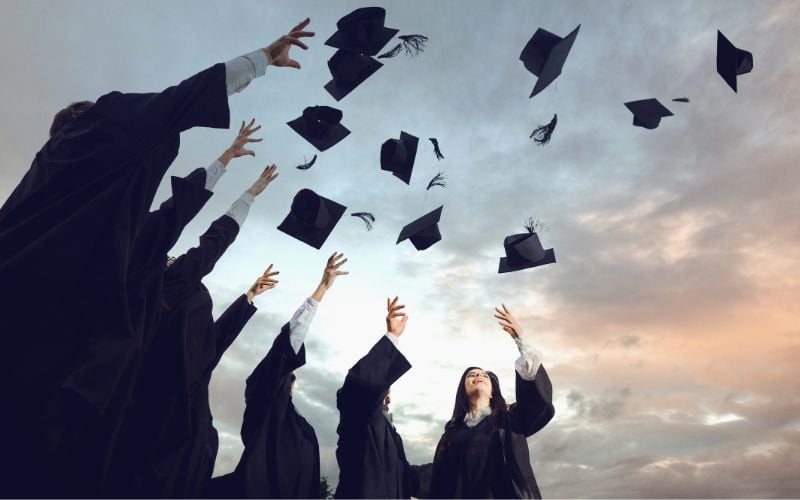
480, 415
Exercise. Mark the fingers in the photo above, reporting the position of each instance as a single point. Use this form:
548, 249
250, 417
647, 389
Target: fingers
302, 24
267, 270
294, 41
300, 34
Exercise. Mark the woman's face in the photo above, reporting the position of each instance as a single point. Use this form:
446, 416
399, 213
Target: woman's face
478, 382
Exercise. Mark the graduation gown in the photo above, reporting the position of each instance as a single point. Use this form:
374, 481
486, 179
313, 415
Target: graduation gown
372, 461
281, 452
492, 460
168, 445
69, 359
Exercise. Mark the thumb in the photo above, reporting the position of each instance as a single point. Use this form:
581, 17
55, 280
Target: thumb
292, 63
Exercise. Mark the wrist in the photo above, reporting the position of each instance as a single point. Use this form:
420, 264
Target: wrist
319, 292
226, 157
266, 53
250, 296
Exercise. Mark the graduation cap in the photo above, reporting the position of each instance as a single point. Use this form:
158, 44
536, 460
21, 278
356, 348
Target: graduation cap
397, 156
349, 70
647, 113
311, 218
732, 61
423, 232
524, 250
362, 31
544, 56
320, 125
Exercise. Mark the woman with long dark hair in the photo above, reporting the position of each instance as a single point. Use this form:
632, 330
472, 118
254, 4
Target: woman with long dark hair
483, 452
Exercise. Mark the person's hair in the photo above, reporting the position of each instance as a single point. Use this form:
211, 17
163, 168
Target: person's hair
497, 403
68, 114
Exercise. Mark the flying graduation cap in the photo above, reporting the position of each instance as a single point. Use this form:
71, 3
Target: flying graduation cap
397, 156
423, 232
544, 56
524, 250
647, 113
320, 125
732, 61
362, 31
311, 218
349, 70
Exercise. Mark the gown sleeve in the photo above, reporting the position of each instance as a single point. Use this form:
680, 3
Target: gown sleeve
534, 407
162, 227
268, 379
228, 326
369, 379
199, 101
190, 268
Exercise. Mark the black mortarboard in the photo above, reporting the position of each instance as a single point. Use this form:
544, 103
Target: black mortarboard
544, 56
423, 232
647, 113
524, 250
311, 218
349, 70
397, 156
732, 61
320, 125
362, 31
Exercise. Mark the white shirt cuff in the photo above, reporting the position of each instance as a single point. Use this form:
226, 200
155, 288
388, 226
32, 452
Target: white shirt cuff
213, 173
300, 322
394, 338
241, 71
240, 208
529, 360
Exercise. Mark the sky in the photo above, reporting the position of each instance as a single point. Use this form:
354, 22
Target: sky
669, 325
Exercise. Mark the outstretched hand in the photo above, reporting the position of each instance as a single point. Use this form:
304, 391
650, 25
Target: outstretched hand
508, 321
267, 176
265, 282
238, 148
329, 275
395, 318
278, 51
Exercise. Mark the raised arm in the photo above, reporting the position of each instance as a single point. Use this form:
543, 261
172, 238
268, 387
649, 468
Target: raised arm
534, 406
201, 100
186, 271
369, 379
270, 382
162, 227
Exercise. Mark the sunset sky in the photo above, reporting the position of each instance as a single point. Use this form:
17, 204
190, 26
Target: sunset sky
669, 325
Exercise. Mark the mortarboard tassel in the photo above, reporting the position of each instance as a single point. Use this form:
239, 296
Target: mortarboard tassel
367, 217
541, 134
306, 166
436, 150
535, 225
681, 99
438, 180
391, 53
414, 45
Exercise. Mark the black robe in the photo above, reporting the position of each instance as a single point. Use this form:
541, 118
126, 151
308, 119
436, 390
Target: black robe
491, 460
69, 359
169, 444
372, 461
281, 452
